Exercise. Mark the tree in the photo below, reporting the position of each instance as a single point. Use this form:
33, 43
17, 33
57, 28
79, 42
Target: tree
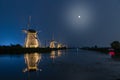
115, 45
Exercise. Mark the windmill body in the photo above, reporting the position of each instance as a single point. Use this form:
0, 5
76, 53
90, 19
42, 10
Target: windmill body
32, 40
59, 45
52, 44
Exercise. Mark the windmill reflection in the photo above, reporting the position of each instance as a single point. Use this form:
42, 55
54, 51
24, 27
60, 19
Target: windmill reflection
52, 55
32, 60
55, 54
59, 53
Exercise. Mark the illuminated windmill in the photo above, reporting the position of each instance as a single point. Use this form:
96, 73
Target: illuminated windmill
59, 45
32, 40
52, 43
32, 60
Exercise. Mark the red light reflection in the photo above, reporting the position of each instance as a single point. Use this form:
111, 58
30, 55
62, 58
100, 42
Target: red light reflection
111, 53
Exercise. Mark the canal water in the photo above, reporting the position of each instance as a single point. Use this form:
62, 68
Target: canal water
59, 65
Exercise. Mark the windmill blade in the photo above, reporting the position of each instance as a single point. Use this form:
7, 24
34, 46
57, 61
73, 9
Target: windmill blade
39, 31
25, 31
55, 42
37, 39
29, 21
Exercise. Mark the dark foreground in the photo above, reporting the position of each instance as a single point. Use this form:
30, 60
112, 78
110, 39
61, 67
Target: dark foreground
12, 50
62, 65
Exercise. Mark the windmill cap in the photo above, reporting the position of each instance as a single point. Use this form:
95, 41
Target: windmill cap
32, 31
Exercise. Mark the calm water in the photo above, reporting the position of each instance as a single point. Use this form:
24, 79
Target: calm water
59, 65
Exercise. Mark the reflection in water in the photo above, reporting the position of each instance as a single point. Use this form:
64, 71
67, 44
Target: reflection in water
32, 60
59, 53
84, 65
52, 55
55, 54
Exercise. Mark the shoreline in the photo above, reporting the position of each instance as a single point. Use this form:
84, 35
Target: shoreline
20, 50
103, 50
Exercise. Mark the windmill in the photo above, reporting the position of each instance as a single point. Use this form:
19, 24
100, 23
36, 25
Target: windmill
52, 43
31, 40
59, 45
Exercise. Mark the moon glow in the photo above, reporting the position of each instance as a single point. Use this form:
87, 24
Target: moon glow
78, 16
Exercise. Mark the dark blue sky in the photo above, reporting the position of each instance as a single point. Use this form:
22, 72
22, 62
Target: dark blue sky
99, 23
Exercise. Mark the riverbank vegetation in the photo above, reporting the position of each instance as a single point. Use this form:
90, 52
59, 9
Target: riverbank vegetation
19, 49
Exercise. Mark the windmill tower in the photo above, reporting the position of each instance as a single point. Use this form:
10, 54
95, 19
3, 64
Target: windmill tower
52, 43
32, 60
32, 40
59, 45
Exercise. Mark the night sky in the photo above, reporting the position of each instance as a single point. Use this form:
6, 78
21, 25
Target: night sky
99, 22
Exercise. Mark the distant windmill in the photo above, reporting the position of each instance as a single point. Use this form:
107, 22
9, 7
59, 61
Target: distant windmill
32, 40
59, 45
52, 43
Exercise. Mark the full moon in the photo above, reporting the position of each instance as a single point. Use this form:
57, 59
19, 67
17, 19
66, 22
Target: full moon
78, 16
